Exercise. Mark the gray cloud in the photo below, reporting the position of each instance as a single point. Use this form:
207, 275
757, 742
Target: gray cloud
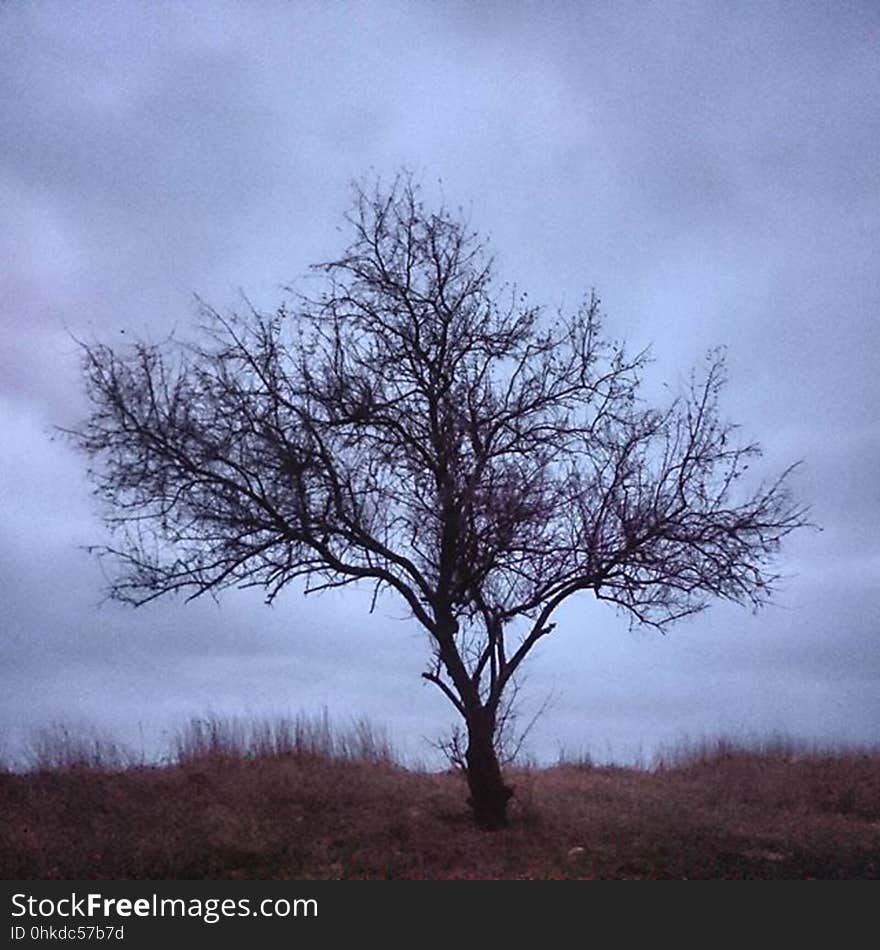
710, 169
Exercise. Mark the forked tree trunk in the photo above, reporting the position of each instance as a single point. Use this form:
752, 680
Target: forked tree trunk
489, 796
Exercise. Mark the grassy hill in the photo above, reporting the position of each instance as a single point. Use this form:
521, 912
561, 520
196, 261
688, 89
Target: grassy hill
300, 805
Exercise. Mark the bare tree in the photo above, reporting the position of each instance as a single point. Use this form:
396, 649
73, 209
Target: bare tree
415, 427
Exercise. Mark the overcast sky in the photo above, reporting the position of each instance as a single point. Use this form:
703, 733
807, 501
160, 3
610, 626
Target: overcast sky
711, 169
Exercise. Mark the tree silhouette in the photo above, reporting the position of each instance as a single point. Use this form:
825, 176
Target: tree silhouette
415, 427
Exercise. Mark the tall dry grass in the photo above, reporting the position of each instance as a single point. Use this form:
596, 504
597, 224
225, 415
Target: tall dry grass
298, 799
58, 746
236, 737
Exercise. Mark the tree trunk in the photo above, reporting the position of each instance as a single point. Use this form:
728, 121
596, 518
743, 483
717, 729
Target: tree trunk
489, 795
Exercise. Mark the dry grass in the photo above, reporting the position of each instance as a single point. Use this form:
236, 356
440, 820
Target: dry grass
274, 801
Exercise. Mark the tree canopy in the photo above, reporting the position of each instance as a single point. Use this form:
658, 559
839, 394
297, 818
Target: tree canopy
418, 427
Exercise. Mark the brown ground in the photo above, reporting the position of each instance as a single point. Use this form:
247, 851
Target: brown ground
723, 813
